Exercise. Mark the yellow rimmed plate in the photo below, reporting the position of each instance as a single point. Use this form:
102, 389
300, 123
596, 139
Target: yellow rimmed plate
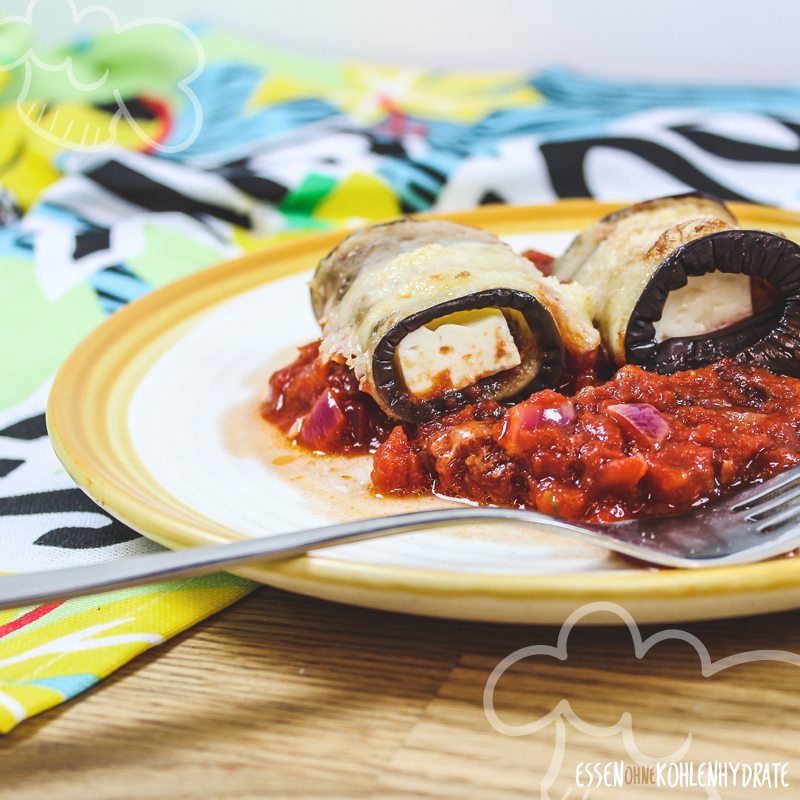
155, 416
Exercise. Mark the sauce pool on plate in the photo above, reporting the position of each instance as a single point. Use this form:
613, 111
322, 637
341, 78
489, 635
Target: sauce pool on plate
638, 444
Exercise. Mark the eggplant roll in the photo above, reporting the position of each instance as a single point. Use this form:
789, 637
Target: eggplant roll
432, 315
670, 282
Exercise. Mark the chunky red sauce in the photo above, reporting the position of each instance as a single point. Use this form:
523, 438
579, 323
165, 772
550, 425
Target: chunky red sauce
542, 261
321, 407
638, 444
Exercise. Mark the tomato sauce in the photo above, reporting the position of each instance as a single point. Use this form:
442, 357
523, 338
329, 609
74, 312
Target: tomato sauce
634, 445
321, 408
542, 261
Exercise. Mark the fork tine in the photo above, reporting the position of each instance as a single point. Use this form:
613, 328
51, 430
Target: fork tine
765, 491
778, 532
783, 518
766, 509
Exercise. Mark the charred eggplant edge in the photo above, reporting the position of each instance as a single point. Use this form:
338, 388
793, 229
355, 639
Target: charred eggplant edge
542, 326
770, 339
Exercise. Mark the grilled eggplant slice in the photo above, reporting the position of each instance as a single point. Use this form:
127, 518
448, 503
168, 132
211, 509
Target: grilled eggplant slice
432, 315
617, 256
670, 283
770, 339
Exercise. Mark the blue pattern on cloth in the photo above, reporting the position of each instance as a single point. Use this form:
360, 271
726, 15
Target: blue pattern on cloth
66, 685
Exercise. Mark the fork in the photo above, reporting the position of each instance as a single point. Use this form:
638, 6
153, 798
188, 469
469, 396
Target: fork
760, 522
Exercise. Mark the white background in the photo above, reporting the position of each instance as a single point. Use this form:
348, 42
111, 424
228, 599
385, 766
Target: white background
690, 40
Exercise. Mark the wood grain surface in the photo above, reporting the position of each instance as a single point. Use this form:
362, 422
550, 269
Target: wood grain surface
283, 696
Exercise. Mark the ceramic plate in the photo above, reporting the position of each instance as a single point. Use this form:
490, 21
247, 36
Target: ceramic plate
155, 415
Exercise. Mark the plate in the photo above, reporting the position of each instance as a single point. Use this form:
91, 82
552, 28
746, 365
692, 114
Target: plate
155, 416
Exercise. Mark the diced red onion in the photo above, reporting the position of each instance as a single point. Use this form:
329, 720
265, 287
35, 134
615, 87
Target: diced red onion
530, 417
561, 416
323, 424
643, 421
525, 418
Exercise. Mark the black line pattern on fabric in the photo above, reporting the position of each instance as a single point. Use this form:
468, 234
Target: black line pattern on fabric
134, 106
383, 147
82, 538
490, 197
737, 150
434, 173
117, 285
240, 175
71, 537
137, 188
48, 503
91, 241
27, 429
8, 465
429, 198
566, 165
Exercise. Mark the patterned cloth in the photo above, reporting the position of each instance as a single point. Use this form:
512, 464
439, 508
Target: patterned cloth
194, 148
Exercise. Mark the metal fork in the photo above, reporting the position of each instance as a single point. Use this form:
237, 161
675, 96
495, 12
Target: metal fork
757, 523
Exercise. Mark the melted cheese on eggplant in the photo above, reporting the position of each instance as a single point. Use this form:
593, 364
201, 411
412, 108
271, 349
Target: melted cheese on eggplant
707, 303
456, 351
616, 257
388, 291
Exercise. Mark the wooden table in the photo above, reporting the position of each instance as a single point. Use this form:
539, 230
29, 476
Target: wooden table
283, 696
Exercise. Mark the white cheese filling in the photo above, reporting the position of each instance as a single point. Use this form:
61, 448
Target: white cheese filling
456, 351
707, 303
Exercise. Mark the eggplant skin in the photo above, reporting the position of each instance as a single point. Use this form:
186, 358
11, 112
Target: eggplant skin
702, 198
375, 244
616, 257
770, 339
383, 282
690, 205
539, 370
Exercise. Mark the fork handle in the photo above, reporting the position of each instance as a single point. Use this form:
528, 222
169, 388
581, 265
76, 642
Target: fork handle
18, 591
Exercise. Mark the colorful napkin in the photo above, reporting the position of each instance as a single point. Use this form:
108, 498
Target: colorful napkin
163, 149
